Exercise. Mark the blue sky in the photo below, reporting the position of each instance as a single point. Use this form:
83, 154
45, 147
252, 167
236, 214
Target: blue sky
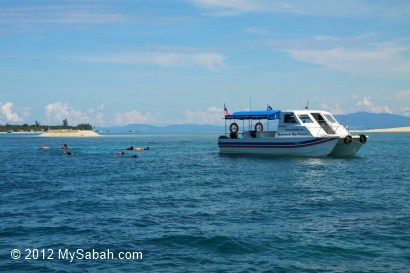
178, 61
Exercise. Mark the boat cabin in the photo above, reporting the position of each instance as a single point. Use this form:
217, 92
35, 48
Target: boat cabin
288, 123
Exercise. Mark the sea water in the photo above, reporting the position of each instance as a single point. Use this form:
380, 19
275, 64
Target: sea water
181, 206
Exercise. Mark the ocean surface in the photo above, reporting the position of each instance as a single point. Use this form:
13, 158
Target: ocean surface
183, 207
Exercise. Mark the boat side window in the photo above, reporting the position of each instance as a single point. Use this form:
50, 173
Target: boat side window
305, 118
289, 118
330, 118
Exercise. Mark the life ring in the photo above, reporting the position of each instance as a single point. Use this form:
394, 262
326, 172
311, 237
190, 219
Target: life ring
348, 139
259, 127
363, 139
234, 128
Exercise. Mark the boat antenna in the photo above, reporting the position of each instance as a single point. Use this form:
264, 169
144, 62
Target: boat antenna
307, 105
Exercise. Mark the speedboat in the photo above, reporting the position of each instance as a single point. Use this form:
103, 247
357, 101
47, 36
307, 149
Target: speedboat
290, 133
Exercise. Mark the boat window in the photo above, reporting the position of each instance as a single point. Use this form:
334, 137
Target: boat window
318, 117
330, 118
289, 118
305, 118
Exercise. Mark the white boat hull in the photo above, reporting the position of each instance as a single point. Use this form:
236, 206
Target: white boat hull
301, 146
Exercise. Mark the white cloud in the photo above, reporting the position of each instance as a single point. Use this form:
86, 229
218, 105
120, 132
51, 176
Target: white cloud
364, 54
362, 61
405, 110
402, 95
238, 7
213, 116
211, 61
231, 7
135, 116
335, 8
357, 103
325, 38
99, 120
6, 110
57, 112
21, 18
365, 104
334, 109
59, 14
100, 107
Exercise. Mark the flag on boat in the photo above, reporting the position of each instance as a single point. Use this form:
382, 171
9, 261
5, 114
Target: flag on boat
225, 110
268, 108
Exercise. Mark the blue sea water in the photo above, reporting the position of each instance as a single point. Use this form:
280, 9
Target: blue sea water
187, 208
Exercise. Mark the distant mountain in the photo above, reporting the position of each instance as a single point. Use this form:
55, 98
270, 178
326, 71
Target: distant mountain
373, 121
176, 128
360, 120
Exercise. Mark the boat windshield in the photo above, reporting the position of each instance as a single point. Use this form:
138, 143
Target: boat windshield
305, 118
323, 123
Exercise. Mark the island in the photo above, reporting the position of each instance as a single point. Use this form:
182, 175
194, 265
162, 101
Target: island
69, 133
64, 130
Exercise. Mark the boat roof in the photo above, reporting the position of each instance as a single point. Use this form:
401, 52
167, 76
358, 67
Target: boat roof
270, 115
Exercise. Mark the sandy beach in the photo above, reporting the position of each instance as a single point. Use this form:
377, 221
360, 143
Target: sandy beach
388, 130
69, 133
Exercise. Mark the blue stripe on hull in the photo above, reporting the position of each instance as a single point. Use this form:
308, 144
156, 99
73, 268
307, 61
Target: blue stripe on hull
275, 145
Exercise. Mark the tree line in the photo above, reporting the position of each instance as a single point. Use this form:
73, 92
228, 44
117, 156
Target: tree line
37, 127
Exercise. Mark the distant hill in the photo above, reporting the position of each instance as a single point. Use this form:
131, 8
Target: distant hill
176, 128
361, 120
373, 121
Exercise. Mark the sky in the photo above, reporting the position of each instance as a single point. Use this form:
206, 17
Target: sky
161, 62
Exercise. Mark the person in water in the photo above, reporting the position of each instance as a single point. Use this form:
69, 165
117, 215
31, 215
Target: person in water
130, 148
142, 149
67, 153
134, 156
64, 146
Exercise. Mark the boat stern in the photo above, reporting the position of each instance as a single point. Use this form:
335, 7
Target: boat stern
348, 146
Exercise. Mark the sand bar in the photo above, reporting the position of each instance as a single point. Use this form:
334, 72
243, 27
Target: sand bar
69, 133
388, 130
